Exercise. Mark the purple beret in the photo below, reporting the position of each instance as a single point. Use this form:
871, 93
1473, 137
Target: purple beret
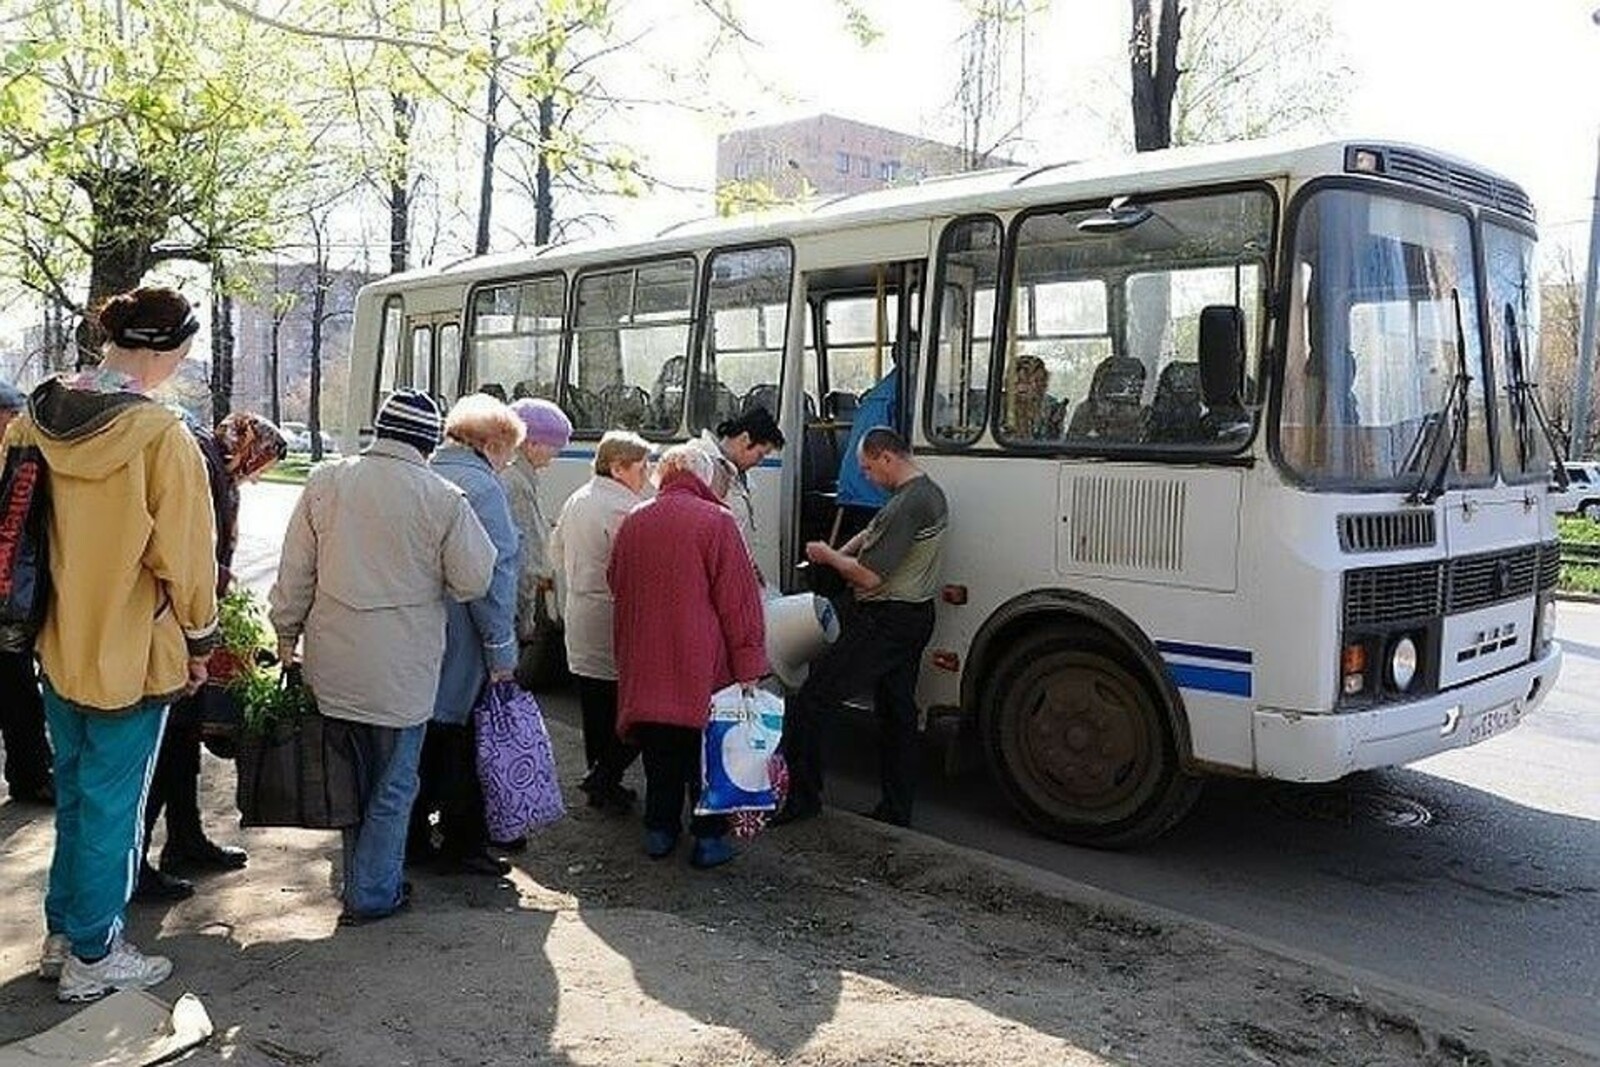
547, 424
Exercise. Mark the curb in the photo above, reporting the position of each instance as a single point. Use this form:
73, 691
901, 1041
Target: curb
1444, 1006
1575, 597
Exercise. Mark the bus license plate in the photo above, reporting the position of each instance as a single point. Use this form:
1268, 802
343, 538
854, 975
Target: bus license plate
1494, 721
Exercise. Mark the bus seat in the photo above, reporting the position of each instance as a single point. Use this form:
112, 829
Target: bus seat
840, 405
1113, 408
764, 395
1175, 416
582, 407
626, 407
666, 396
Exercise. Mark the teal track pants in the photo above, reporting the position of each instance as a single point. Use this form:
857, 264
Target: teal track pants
103, 765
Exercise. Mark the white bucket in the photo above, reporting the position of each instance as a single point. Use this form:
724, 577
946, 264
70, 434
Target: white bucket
800, 627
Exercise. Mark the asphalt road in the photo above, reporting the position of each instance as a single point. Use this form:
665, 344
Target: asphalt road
1474, 875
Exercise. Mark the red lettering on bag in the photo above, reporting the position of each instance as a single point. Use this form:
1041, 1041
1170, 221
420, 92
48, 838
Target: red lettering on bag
17, 503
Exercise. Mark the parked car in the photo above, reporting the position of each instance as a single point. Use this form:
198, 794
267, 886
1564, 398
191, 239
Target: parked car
1582, 494
298, 437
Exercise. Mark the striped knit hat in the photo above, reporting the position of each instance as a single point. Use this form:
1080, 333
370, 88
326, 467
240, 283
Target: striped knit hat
412, 418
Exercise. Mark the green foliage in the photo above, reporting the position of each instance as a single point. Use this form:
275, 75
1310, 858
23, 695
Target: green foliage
267, 699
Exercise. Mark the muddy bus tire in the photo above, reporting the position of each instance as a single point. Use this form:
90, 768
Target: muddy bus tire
1081, 742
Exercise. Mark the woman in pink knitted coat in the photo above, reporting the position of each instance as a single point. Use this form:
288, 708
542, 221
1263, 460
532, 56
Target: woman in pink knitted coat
688, 622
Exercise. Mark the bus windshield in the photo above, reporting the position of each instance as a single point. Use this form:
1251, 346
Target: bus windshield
1383, 325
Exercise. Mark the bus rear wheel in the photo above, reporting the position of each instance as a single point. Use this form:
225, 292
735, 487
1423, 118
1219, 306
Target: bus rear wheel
1080, 742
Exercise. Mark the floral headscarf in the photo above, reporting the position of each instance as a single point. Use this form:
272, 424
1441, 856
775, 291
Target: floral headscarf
250, 443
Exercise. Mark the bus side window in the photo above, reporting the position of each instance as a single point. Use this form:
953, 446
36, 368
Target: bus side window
629, 325
422, 358
969, 264
389, 348
741, 358
513, 339
448, 382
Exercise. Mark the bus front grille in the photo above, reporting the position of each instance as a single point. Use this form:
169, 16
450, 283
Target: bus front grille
1549, 565
1378, 595
1478, 581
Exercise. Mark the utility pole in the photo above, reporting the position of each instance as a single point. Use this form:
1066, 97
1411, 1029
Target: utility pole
1579, 438
1580, 406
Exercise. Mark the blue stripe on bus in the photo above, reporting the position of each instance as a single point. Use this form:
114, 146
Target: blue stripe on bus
1210, 679
1225, 655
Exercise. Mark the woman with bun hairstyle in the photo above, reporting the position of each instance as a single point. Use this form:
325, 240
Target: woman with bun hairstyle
131, 622
243, 447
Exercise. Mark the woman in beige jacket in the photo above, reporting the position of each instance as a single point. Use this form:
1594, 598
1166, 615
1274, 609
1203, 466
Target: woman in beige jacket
580, 552
373, 550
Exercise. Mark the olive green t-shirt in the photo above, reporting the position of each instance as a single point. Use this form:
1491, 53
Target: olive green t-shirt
904, 543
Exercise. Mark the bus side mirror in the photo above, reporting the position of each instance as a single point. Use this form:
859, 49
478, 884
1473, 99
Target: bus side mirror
1222, 355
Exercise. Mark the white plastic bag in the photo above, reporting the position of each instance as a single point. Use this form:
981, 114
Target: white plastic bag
740, 742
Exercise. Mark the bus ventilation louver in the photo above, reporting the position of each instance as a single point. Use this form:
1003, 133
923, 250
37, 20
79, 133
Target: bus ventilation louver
1128, 523
1420, 168
1386, 531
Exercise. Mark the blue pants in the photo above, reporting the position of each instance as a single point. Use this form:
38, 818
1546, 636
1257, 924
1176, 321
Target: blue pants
103, 765
375, 849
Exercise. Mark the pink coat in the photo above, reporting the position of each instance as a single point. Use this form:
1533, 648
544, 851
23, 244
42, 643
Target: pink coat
688, 617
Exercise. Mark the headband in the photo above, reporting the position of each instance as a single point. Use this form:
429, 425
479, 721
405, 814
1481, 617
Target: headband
158, 338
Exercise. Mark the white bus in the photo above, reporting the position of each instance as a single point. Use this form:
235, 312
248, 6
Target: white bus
1245, 461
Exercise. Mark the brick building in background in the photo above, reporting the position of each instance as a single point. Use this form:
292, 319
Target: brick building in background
826, 155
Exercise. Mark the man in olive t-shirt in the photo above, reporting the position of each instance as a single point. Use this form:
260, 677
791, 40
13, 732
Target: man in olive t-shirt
892, 568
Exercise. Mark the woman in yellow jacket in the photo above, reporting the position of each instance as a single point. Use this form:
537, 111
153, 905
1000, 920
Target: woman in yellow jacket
132, 618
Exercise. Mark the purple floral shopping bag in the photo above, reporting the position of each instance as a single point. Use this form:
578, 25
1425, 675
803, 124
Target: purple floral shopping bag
515, 763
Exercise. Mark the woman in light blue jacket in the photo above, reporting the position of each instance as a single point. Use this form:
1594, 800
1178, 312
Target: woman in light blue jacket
481, 438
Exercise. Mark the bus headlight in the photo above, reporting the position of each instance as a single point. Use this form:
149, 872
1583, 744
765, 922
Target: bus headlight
1547, 623
1403, 663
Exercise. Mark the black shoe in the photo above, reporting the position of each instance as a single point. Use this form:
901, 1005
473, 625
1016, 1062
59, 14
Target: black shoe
885, 814
610, 797
479, 862
793, 812
42, 793
199, 853
516, 844
156, 887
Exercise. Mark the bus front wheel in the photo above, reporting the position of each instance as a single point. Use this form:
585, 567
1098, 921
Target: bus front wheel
1079, 740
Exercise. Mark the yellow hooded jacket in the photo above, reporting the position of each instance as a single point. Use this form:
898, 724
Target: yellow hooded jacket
132, 546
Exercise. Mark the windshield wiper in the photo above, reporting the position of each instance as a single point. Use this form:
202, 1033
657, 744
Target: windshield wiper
1430, 486
1525, 397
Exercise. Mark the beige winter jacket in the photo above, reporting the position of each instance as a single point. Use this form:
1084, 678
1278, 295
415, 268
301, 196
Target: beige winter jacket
374, 547
580, 551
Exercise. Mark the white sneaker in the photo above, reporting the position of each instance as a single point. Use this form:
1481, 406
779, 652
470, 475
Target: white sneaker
53, 956
125, 967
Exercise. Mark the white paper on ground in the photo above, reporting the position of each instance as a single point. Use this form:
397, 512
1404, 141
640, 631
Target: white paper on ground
127, 1029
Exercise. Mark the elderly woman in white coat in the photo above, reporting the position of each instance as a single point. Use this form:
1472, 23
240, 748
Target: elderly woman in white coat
375, 549
580, 552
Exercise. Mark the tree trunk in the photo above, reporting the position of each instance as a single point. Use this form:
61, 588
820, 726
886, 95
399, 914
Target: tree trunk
222, 345
1153, 62
544, 209
491, 136
319, 303
275, 351
131, 212
400, 184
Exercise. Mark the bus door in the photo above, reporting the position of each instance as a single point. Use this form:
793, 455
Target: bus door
864, 328
434, 348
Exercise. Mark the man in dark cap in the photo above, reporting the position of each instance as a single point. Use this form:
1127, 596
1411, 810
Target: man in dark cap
28, 777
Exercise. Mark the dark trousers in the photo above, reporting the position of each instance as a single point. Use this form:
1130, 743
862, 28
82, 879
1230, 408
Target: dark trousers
22, 723
671, 775
607, 756
879, 649
175, 786
449, 786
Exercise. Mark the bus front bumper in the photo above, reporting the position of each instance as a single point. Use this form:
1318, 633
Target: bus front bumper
1296, 746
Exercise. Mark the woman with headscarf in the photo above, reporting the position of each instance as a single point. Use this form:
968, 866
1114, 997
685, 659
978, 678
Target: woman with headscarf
132, 620
243, 447
688, 623
547, 432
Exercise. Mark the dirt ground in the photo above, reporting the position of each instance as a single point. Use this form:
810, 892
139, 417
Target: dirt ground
834, 942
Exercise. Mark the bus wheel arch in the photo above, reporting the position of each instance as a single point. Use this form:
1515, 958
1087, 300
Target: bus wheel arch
1080, 724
